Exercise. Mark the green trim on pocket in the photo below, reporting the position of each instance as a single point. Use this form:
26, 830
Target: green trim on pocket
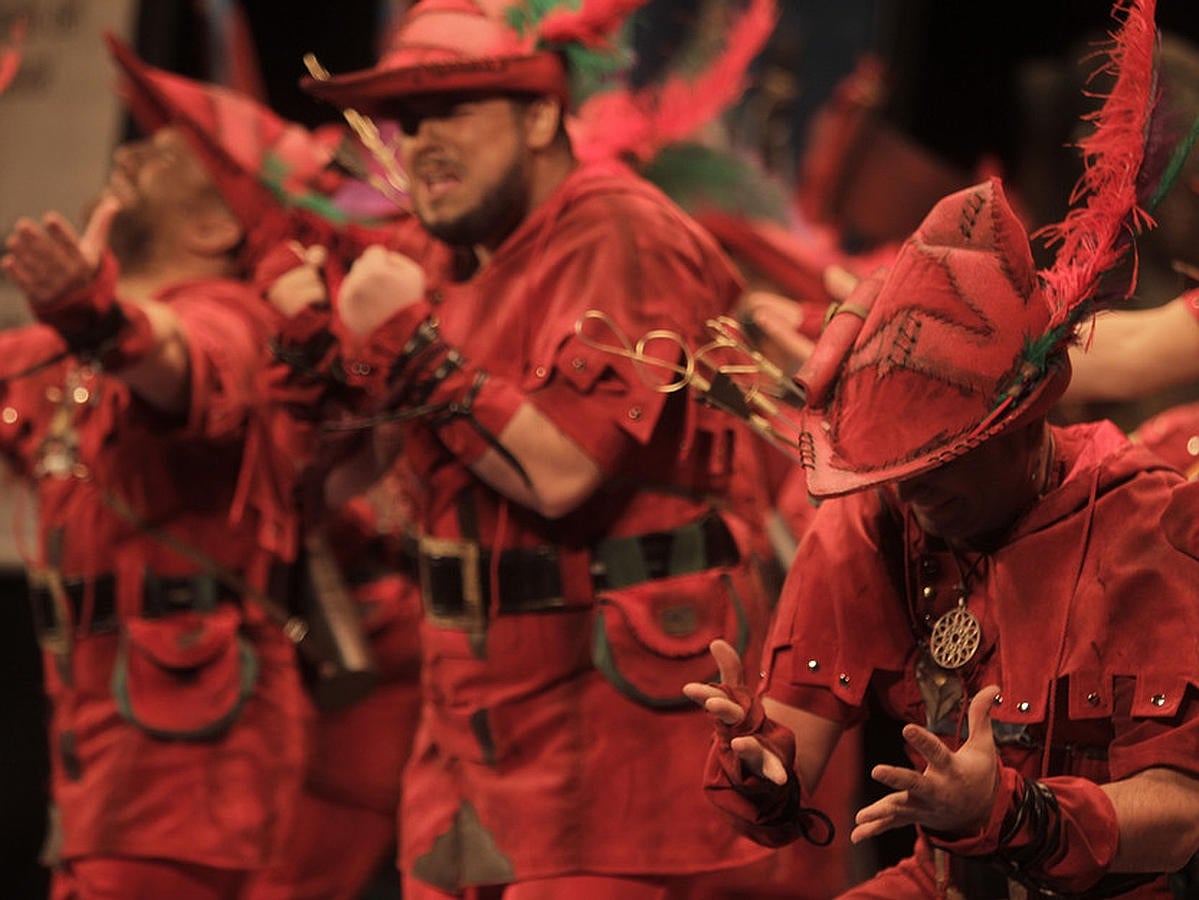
247, 665
604, 660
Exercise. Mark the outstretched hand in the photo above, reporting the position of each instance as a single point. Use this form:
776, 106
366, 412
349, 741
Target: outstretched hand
955, 792
748, 749
49, 259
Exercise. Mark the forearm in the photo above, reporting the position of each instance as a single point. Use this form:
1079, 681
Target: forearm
1157, 812
1072, 836
488, 422
1132, 354
161, 375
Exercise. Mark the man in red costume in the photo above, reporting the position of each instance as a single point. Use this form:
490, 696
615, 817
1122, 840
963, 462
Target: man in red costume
573, 553
279, 181
178, 716
1021, 596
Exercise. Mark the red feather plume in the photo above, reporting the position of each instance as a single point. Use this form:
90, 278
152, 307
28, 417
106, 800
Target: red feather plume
1107, 214
638, 125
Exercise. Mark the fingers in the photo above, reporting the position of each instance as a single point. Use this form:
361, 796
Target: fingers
783, 344
928, 746
759, 760
839, 282
897, 778
979, 718
880, 817
728, 662
95, 236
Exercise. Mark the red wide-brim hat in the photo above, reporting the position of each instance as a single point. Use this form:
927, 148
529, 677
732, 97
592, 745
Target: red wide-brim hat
933, 355
447, 47
962, 338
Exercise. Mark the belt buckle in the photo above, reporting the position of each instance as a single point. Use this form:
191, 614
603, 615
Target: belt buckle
472, 619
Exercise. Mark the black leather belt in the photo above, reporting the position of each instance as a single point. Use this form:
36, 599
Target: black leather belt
456, 575
160, 597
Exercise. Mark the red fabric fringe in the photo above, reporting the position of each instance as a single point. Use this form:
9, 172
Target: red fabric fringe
1096, 233
621, 124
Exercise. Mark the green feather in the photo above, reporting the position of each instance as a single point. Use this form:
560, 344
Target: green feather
274, 174
700, 178
1174, 167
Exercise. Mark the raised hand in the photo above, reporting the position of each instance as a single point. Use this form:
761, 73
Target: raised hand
727, 711
292, 277
47, 260
954, 793
379, 284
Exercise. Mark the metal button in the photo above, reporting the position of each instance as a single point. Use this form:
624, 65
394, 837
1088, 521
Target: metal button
9, 415
539, 371
1193, 445
79, 470
929, 593
579, 363
435, 296
813, 665
844, 679
1093, 698
81, 395
53, 394
762, 673
1158, 700
1024, 706
360, 368
635, 413
826, 425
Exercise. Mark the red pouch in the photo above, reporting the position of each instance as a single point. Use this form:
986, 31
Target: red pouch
185, 676
652, 638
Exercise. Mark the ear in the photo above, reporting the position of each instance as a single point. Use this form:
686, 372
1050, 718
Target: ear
543, 118
212, 231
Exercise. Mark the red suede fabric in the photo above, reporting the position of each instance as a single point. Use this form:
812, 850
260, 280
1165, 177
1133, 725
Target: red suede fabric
564, 773
218, 803
1078, 609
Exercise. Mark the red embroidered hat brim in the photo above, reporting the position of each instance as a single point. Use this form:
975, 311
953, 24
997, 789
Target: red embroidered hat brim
371, 91
830, 475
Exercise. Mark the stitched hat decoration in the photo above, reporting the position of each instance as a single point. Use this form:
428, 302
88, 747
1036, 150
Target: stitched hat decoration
963, 338
10, 55
558, 48
277, 177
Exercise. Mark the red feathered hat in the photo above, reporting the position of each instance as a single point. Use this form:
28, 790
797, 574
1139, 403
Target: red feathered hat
262, 164
502, 46
962, 338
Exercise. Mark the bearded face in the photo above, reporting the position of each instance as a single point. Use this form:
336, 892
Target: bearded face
467, 162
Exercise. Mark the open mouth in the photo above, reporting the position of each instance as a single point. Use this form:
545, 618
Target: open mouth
438, 184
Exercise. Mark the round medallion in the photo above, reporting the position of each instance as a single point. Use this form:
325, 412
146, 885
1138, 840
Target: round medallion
954, 639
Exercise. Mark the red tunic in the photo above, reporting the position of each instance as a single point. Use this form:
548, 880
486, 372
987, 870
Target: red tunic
219, 801
1087, 612
529, 763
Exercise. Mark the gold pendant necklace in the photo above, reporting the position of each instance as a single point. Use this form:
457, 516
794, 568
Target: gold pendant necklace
956, 636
